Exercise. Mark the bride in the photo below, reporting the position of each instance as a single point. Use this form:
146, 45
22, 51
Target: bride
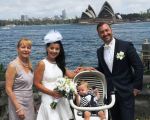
46, 73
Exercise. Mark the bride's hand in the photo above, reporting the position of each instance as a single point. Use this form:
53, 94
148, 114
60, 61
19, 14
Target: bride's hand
56, 94
80, 69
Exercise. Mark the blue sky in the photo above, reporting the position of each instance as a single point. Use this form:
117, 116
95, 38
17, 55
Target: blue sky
10, 9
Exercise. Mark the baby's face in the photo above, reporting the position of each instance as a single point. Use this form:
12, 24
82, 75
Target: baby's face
83, 90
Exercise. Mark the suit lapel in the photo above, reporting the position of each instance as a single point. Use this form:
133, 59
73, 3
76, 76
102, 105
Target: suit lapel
115, 52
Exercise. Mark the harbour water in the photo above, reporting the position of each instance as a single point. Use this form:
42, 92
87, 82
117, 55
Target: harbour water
80, 44
80, 41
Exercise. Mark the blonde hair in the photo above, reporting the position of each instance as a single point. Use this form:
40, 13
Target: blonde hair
28, 42
24, 41
84, 83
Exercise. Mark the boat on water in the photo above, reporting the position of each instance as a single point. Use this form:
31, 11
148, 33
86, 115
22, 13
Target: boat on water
8, 26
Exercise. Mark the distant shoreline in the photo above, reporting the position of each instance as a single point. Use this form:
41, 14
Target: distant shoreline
27, 23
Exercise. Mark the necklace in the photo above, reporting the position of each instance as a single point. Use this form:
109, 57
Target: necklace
26, 65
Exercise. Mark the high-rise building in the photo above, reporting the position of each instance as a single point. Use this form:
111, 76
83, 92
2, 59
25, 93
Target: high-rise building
24, 18
64, 16
148, 11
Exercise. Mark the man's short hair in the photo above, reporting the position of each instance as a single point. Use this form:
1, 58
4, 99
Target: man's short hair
101, 24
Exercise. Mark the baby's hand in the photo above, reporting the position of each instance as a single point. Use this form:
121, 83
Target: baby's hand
76, 94
96, 91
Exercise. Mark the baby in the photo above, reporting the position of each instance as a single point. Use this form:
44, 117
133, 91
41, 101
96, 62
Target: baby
86, 98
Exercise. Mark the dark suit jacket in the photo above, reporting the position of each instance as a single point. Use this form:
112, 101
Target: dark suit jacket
127, 73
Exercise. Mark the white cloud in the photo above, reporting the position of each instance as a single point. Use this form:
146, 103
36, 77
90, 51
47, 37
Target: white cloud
48, 8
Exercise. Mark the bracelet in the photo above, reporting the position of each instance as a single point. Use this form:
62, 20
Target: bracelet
19, 109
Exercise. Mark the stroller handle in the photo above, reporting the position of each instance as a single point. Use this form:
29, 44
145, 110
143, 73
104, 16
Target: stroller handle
94, 108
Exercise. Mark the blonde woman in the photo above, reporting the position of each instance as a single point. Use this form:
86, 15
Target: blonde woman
19, 81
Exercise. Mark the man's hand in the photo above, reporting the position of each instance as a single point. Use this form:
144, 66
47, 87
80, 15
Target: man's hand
136, 92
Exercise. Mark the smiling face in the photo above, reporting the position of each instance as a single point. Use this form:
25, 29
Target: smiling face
24, 48
53, 51
105, 33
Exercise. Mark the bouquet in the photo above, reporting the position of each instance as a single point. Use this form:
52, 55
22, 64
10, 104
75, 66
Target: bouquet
64, 86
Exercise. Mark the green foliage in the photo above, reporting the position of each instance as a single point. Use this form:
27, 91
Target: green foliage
136, 16
2, 72
147, 72
142, 116
2, 68
148, 86
35, 21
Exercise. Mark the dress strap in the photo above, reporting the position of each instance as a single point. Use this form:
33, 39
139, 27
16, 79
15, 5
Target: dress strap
16, 65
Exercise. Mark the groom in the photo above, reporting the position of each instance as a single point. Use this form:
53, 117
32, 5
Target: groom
123, 69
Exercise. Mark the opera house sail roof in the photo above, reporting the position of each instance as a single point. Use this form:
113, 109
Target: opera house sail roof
106, 11
106, 14
89, 13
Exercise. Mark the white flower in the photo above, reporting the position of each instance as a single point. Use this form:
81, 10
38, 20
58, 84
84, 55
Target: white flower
60, 81
120, 55
65, 87
73, 87
60, 88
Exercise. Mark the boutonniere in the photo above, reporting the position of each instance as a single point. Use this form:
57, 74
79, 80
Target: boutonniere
120, 55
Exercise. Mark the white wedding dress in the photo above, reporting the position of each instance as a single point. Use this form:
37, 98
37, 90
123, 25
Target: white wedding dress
62, 111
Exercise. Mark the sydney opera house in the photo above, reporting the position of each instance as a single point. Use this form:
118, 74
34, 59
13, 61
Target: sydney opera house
106, 14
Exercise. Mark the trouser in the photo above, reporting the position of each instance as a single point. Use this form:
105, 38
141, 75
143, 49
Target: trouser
123, 108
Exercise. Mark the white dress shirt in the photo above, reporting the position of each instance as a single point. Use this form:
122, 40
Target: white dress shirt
109, 54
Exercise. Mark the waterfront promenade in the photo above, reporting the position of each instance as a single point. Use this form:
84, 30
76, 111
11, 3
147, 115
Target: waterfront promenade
142, 101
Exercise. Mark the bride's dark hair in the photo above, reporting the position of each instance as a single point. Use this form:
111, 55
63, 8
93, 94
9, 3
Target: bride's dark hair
60, 59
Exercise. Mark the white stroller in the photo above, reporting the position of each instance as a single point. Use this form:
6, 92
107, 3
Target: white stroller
97, 79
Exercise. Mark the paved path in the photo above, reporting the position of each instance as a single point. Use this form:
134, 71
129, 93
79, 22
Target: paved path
142, 101
146, 78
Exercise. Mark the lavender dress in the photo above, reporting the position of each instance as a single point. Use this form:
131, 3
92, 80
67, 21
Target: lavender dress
23, 90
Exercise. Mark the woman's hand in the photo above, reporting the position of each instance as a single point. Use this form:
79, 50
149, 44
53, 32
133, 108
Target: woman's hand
80, 69
21, 114
56, 94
